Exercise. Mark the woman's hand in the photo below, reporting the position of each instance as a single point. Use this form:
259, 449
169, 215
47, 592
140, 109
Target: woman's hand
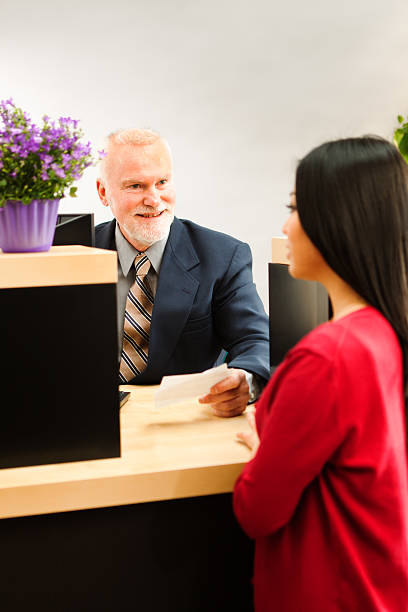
250, 439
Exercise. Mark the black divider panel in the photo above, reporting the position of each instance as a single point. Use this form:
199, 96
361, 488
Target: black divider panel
295, 308
58, 375
185, 555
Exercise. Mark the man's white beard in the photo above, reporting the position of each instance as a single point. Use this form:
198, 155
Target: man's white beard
148, 236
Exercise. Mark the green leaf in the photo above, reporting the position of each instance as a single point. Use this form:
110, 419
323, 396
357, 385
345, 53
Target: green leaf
3, 183
403, 145
72, 192
398, 135
400, 118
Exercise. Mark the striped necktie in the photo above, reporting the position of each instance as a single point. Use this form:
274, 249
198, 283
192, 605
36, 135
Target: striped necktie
136, 326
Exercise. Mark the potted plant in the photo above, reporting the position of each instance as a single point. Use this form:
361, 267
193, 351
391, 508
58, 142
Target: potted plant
37, 167
401, 136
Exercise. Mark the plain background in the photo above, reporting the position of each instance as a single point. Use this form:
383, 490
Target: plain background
241, 90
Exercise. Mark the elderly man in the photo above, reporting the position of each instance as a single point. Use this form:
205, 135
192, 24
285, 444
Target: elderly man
185, 292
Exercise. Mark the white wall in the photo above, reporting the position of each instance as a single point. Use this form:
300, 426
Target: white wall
240, 89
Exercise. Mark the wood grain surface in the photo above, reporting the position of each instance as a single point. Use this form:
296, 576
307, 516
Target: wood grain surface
61, 265
178, 451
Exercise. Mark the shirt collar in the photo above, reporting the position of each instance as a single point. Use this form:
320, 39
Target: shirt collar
127, 252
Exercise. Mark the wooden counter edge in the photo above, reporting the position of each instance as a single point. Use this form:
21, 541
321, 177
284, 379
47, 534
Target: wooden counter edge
110, 491
73, 265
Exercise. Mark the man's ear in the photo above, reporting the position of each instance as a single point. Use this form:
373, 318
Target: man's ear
101, 192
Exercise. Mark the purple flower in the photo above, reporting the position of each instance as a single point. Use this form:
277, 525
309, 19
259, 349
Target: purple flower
58, 171
33, 146
68, 122
47, 159
50, 153
5, 103
76, 154
64, 144
102, 153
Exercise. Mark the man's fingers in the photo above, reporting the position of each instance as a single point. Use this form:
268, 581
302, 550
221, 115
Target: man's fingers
230, 396
232, 381
233, 386
216, 398
228, 413
231, 408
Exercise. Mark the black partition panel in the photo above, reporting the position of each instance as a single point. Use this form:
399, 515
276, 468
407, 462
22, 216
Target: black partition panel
75, 229
295, 308
58, 375
186, 555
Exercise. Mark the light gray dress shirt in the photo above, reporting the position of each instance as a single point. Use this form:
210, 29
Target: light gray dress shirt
126, 277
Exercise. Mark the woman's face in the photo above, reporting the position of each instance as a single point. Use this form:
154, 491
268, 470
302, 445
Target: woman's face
305, 260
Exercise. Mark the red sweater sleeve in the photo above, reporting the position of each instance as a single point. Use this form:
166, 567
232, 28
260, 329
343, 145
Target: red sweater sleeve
299, 430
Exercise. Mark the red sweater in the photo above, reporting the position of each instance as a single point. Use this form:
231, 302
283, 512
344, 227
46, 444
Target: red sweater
326, 496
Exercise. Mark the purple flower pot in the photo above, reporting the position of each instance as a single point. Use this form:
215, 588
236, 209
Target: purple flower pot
27, 227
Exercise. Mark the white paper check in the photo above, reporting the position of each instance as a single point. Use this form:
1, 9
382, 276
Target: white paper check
175, 389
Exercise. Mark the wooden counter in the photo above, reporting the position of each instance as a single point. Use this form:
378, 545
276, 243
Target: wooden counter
61, 265
174, 452
151, 530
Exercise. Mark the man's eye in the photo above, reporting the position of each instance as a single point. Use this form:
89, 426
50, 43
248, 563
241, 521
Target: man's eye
135, 186
163, 182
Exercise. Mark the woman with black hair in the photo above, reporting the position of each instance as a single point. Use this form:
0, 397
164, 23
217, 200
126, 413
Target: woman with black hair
325, 494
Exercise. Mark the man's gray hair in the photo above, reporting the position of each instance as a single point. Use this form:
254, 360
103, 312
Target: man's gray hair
135, 136
132, 136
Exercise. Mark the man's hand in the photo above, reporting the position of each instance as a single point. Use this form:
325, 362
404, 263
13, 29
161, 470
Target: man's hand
229, 397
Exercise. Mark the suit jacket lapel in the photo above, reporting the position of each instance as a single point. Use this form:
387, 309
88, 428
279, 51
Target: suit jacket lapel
175, 295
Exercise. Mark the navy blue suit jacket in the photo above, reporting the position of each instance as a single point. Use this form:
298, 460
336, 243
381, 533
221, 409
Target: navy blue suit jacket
205, 301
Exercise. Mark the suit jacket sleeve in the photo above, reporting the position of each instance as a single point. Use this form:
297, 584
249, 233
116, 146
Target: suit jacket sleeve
239, 316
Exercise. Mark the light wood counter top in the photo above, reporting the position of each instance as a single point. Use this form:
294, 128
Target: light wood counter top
61, 265
174, 452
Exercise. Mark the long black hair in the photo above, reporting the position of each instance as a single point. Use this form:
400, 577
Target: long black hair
352, 201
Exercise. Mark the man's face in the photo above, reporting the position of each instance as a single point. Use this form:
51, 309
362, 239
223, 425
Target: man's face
138, 188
